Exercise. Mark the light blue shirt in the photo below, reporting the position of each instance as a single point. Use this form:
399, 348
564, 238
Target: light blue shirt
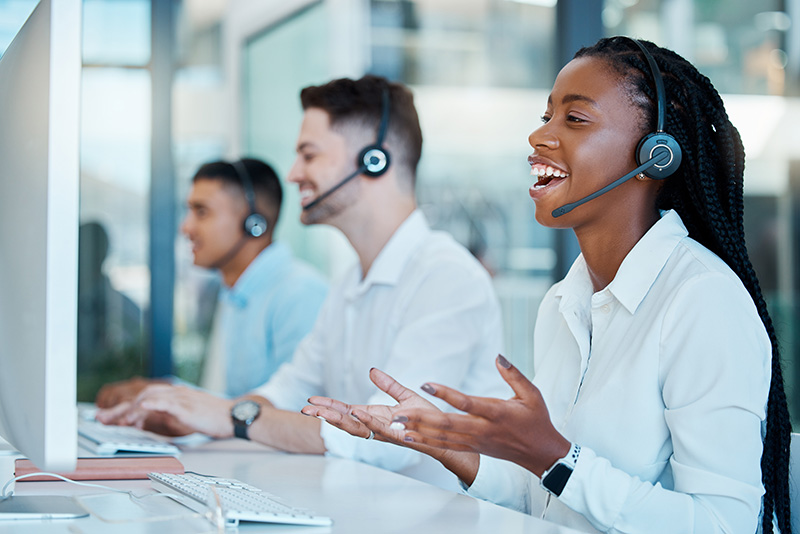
270, 308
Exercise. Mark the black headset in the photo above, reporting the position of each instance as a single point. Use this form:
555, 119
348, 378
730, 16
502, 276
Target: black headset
255, 224
374, 159
658, 141
658, 154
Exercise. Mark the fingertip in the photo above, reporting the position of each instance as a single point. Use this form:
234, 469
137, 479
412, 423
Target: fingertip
427, 388
501, 360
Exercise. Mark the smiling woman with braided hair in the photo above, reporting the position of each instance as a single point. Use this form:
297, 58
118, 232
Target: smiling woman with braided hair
657, 404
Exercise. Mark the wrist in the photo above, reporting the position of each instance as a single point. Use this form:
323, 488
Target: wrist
462, 464
242, 415
555, 478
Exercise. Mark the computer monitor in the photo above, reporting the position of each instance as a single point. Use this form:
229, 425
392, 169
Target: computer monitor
40, 75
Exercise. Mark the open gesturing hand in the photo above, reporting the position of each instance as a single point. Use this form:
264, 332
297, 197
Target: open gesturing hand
366, 421
360, 419
517, 429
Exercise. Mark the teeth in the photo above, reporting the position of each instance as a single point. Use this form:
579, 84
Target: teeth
539, 170
306, 193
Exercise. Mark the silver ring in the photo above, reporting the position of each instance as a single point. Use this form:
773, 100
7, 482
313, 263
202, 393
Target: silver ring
371, 435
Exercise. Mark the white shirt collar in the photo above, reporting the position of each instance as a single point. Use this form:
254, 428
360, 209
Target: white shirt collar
393, 257
638, 270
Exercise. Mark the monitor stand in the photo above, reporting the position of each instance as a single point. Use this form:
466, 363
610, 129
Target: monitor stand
40, 507
31, 506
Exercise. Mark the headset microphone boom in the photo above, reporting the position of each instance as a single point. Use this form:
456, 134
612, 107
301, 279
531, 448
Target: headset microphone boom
658, 154
373, 160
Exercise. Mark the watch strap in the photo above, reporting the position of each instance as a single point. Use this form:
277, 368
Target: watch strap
556, 477
241, 421
240, 430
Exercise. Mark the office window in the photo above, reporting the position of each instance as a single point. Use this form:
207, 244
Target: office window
114, 276
292, 47
116, 32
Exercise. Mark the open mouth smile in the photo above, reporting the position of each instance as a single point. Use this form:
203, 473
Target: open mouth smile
546, 174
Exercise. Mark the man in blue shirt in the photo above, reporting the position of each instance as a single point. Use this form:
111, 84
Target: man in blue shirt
270, 300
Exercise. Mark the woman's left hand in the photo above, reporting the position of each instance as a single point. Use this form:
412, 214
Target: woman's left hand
517, 429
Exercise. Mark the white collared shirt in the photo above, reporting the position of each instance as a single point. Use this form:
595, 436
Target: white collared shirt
426, 311
662, 379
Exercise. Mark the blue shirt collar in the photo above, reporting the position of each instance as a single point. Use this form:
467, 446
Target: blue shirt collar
259, 275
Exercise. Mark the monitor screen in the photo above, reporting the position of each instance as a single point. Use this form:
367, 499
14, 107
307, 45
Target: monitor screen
40, 76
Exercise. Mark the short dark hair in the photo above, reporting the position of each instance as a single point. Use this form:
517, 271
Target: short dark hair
266, 184
360, 102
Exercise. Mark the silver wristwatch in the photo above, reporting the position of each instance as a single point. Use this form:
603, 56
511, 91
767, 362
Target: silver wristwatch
243, 414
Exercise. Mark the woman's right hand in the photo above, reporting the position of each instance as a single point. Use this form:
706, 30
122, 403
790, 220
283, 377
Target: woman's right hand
360, 420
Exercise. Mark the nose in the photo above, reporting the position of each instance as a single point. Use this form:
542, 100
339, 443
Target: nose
543, 137
295, 173
185, 225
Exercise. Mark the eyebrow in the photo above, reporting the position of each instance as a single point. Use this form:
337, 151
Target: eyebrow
304, 145
573, 97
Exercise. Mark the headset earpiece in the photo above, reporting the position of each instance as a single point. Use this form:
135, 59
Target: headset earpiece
375, 160
650, 146
659, 141
372, 161
255, 224
658, 154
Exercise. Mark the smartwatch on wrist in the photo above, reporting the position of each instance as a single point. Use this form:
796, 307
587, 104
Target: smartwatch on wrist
555, 478
243, 414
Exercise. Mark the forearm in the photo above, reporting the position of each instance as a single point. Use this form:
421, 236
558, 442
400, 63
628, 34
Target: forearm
614, 501
287, 431
462, 464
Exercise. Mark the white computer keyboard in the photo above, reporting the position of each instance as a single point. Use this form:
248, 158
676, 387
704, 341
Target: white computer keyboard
109, 439
238, 501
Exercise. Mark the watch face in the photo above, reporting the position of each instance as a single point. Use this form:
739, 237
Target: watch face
246, 411
557, 478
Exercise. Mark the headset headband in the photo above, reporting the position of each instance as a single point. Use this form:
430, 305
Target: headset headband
661, 97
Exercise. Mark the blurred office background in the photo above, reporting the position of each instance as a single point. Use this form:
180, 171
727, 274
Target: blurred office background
170, 84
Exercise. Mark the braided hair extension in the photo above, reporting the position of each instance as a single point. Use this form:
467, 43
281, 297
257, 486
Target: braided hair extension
707, 191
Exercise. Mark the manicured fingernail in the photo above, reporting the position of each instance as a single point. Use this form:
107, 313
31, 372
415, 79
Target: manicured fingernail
400, 419
427, 388
408, 439
503, 362
397, 426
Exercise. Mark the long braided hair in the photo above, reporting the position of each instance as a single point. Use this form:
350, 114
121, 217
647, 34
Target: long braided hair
707, 191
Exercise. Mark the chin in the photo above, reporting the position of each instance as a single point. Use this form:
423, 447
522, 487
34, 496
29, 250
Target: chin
544, 216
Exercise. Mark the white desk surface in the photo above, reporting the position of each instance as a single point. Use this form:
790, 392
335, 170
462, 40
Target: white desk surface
359, 498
